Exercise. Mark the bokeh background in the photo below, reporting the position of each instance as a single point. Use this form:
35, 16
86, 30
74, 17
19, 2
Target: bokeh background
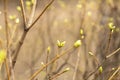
64, 21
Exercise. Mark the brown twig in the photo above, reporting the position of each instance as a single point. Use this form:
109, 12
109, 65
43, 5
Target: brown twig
23, 35
32, 13
61, 67
116, 71
7, 39
111, 54
46, 7
23, 13
56, 75
95, 58
47, 58
76, 66
106, 57
7, 69
53, 60
26, 31
109, 42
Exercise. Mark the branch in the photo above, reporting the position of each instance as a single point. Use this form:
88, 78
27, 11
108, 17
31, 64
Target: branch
7, 46
111, 77
109, 42
32, 13
7, 69
25, 33
23, 13
113, 53
102, 63
46, 7
53, 60
76, 66
58, 74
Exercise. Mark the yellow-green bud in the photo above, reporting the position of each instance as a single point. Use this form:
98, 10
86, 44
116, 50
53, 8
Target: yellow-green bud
2, 56
60, 44
48, 49
67, 69
18, 8
111, 26
100, 69
90, 53
77, 43
81, 31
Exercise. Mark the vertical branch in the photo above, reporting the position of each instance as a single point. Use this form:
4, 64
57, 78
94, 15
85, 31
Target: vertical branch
109, 42
26, 30
7, 69
47, 57
76, 66
23, 13
32, 13
7, 41
23, 35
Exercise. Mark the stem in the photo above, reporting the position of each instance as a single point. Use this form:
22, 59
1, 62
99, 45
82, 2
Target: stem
47, 57
32, 13
111, 77
113, 53
46, 7
109, 41
53, 60
7, 39
58, 74
7, 69
26, 31
23, 13
102, 63
76, 66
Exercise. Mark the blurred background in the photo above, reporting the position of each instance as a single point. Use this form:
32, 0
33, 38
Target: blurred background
65, 20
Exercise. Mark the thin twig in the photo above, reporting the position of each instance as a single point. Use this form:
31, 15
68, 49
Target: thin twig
7, 39
47, 57
58, 74
113, 53
19, 47
32, 13
61, 67
107, 51
7, 69
116, 71
102, 63
23, 13
53, 60
109, 42
95, 58
25, 33
46, 7
76, 66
